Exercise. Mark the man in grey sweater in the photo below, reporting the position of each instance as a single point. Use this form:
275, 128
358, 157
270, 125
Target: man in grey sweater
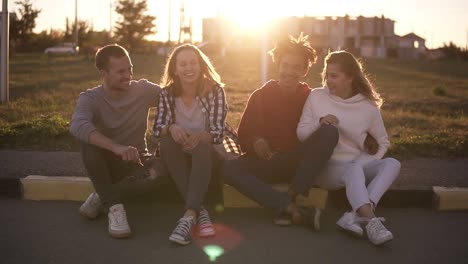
110, 121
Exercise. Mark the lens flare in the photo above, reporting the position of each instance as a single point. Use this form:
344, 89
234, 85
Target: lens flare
213, 251
219, 208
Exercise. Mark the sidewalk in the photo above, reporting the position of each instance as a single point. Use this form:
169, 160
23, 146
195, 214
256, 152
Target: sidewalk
412, 189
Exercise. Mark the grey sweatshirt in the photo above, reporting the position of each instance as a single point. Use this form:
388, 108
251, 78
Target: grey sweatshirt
123, 120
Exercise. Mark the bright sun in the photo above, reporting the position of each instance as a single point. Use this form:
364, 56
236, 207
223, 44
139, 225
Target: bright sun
252, 14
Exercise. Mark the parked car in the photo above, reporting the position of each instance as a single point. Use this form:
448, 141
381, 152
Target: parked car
63, 49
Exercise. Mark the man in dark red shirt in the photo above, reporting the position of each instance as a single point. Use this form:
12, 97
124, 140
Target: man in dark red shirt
267, 133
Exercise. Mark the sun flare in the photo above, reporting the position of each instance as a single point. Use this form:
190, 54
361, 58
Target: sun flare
251, 14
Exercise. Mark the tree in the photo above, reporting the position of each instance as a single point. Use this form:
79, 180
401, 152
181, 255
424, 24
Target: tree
452, 51
134, 25
84, 30
22, 28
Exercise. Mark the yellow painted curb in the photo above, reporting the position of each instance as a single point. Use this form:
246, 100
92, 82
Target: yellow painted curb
450, 198
317, 197
69, 188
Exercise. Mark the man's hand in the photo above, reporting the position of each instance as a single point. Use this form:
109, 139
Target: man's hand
371, 145
329, 120
178, 134
127, 153
262, 149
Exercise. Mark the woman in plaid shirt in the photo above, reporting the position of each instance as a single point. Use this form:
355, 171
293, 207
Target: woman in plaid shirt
191, 115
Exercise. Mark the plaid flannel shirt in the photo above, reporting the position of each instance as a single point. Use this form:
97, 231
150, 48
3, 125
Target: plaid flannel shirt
213, 104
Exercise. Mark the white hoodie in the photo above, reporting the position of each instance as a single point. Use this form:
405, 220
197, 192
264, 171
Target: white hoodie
357, 116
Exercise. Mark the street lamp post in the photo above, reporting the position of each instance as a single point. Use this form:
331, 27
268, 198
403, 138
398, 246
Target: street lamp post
76, 22
110, 18
4, 57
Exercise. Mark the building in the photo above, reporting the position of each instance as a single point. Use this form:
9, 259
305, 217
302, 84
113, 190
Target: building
365, 36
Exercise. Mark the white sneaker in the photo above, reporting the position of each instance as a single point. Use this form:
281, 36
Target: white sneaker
349, 222
118, 225
376, 231
91, 207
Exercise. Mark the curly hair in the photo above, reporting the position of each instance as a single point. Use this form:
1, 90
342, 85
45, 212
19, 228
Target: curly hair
299, 45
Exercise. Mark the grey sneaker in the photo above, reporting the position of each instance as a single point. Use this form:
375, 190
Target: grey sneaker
118, 225
91, 207
182, 232
376, 231
350, 223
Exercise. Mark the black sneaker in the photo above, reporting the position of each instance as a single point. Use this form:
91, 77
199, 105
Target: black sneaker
283, 219
182, 232
310, 217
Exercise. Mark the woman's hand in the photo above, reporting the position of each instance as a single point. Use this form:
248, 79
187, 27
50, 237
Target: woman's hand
178, 134
329, 120
194, 138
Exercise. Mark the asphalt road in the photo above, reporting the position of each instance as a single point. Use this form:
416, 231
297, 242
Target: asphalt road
53, 232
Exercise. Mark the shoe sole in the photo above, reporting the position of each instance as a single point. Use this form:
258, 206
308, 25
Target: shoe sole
384, 241
88, 216
282, 222
351, 233
120, 234
178, 241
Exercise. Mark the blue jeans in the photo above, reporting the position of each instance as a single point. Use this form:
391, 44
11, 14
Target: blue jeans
299, 167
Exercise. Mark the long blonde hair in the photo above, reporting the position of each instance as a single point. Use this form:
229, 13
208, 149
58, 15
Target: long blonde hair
208, 72
354, 69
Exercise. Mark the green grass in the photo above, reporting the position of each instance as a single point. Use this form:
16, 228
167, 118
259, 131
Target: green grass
424, 111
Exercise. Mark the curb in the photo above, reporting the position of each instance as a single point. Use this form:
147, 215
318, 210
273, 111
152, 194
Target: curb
77, 189
393, 198
72, 188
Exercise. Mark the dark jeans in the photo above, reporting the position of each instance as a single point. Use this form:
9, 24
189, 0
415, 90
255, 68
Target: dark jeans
113, 178
193, 173
299, 167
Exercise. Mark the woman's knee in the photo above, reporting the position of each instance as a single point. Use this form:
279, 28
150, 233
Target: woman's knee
392, 165
354, 172
203, 147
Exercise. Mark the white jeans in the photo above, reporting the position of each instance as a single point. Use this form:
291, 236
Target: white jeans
380, 174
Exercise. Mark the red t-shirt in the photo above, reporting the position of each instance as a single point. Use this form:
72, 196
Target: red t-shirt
272, 115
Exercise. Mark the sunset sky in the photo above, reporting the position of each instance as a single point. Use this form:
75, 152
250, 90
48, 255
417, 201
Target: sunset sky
437, 21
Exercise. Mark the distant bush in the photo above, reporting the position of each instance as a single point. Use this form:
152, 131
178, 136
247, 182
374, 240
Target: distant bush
439, 90
36, 131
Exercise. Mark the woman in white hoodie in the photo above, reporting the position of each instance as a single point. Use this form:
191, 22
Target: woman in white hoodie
349, 101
